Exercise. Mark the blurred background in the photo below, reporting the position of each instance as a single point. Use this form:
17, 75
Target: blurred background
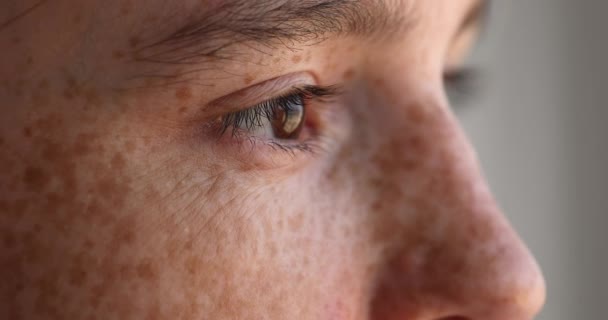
540, 126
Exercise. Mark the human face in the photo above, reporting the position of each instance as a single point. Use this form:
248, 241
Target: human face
258, 159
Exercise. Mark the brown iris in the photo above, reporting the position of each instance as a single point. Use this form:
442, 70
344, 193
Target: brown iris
287, 123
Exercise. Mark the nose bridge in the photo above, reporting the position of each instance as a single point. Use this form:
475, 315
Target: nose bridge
455, 255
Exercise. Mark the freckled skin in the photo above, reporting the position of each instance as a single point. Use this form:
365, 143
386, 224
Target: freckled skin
296, 58
117, 204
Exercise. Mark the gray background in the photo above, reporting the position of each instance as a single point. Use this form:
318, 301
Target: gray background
540, 126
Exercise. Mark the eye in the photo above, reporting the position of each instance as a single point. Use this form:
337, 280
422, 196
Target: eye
280, 120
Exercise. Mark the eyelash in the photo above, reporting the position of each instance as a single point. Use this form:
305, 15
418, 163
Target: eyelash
246, 120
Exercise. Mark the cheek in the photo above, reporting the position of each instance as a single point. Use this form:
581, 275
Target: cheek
68, 198
311, 246
84, 221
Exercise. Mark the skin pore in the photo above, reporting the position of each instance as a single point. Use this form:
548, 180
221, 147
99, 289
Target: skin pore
128, 190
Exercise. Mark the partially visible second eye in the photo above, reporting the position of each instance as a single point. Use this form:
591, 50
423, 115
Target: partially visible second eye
461, 85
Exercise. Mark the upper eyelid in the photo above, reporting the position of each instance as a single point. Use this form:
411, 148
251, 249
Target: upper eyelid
258, 93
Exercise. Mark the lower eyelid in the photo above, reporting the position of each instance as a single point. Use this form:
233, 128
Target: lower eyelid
254, 154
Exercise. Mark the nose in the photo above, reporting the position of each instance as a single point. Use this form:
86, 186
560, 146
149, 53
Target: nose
451, 254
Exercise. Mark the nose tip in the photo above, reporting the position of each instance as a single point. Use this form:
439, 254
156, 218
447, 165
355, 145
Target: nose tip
508, 285
482, 271
531, 299
523, 288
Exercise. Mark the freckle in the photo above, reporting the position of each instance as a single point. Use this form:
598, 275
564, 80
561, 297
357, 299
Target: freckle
35, 179
9, 241
82, 146
97, 293
379, 82
126, 8
128, 237
386, 231
151, 19
417, 145
125, 271
183, 94
53, 202
92, 97
37, 228
27, 132
348, 74
117, 55
40, 97
118, 162
306, 261
30, 60
88, 244
125, 232
19, 207
327, 230
418, 114
43, 84
273, 249
130, 146
16, 40
19, 84
77, 19
188, 245
377, 206
68, 94
110, 190
171, 249
346, 231
249, 79
78, 276
49, 123
192, 265
138, 55
1, 141
134, 41
182, 110
296, 222
71, 81
276, 60
296, 59
146, 270
147, 141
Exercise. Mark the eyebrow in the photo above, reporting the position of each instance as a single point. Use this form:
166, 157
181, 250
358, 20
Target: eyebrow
272, 24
